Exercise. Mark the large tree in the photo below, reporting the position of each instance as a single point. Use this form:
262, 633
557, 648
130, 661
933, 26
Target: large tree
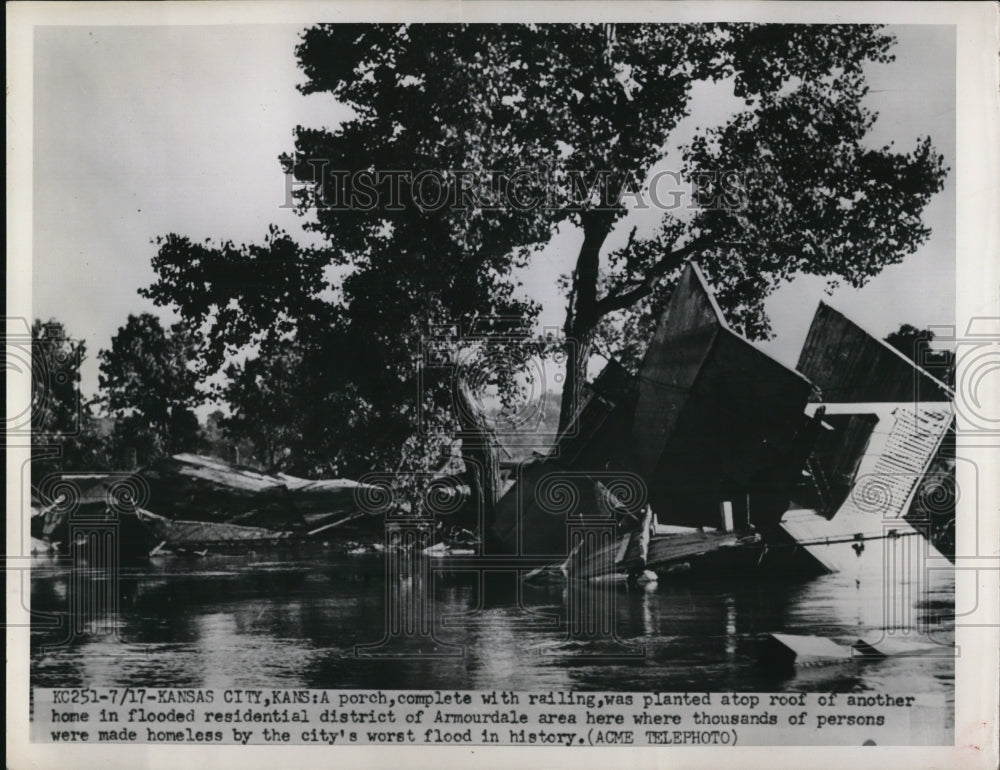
511, 131
149, 385
299, 404
789, 184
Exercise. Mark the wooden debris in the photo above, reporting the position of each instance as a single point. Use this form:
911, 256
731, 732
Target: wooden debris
715, 416
786, 650
177, 532
895, 647
667, 552
847, 364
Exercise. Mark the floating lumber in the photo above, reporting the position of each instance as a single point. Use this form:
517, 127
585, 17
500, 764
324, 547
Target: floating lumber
716, 418
786, 650
200, 488
898, 648
847, 364
176, 532
668, 551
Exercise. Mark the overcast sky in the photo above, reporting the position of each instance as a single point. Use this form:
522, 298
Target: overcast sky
141, 131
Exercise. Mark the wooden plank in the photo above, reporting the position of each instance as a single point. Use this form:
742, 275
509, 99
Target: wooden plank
180, 532
849, 365
665, 550
791, 649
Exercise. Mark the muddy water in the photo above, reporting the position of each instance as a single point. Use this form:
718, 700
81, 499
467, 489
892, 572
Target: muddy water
326, 620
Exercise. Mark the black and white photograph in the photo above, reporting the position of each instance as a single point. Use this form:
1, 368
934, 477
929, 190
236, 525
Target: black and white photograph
522, 376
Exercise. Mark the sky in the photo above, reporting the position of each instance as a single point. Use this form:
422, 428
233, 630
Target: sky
143, 131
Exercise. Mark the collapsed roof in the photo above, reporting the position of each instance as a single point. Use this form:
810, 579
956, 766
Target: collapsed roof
710, 418
847, 364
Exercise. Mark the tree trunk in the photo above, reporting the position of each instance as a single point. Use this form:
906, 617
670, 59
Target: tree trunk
578, 350
582, 315
481, 454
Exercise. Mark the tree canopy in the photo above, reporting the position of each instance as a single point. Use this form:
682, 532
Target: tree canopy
62, 435
602, 101
150, 388
510, 131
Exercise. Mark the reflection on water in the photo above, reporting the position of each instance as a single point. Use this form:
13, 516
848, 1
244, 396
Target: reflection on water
284, 621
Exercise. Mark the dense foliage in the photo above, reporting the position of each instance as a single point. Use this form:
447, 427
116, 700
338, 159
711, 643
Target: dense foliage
150, 388
519, 130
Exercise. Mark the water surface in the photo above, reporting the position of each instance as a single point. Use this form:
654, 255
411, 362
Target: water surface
322, 619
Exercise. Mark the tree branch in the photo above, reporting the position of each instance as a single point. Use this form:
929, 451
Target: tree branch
674, 259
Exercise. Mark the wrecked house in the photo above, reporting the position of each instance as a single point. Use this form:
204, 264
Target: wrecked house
717, 454
73, 506
62, 495
712, 433
714, 456
193, 487
189, 501
201, 500
717, 420
888, 445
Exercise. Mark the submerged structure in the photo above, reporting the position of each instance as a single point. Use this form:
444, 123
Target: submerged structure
710, 435
712, 457
884, 468
191, 502
718, 456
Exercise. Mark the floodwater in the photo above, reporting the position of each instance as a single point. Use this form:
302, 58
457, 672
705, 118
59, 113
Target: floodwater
330, 620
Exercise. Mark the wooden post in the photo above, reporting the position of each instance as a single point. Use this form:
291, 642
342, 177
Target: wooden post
726, 511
